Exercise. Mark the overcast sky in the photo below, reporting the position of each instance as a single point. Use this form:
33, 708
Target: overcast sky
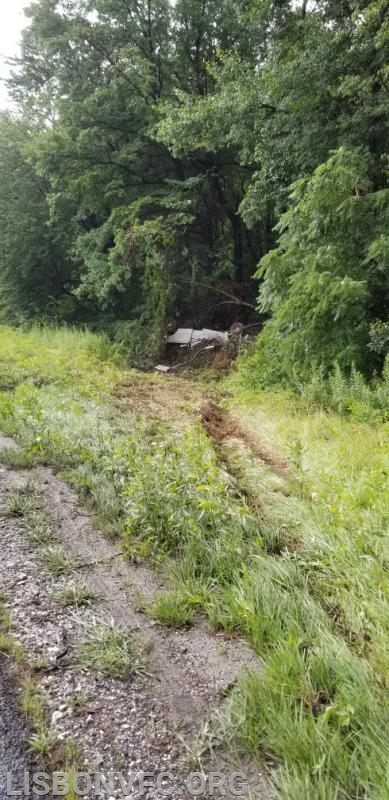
12, 21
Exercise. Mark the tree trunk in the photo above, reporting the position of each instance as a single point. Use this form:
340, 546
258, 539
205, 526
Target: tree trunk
237, 230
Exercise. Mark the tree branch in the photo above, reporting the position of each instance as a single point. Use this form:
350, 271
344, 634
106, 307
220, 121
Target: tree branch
232, 298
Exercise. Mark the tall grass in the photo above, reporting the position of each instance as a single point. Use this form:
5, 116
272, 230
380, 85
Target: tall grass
349, 394
298, 565
57, 354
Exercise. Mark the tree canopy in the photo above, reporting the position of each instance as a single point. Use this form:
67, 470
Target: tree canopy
159, 154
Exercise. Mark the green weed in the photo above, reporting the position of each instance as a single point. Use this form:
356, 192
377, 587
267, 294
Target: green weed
33, 704
78, 701
76, 594
42, 741
8, 646
40, 527
15, 458
56, 561
21, 501
172, 610
26, 502
71, 794
110, 649
71, 752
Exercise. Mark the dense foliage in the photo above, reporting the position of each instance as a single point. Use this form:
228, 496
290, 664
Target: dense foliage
146, 172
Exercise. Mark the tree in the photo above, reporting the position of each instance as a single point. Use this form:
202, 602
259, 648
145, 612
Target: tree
326, 283
34, 277
164, 138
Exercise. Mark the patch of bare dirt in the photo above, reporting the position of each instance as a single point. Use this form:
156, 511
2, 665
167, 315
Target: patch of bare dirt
6, 441
171, 397
147, 723
319, 703
220, 425
160, 398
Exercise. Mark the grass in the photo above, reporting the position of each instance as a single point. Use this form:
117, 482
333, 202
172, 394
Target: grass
72, 794
336, 745
298, 565
172, 609
41, 354
341, 506
21, 501
78, 701
15, 458
56, 561
25, 502
8, 646
348, 393
76, 594
33, 704
110, 649
42, 741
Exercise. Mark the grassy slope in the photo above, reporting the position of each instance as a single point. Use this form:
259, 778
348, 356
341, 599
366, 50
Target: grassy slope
297, 565
340, 503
